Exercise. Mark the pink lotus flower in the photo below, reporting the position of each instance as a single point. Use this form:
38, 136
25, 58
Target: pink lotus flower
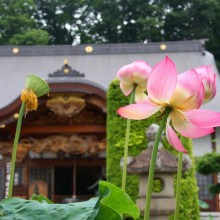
184, 94
134, 76
209, 81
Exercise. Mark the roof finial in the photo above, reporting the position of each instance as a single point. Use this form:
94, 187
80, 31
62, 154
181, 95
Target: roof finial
65, 62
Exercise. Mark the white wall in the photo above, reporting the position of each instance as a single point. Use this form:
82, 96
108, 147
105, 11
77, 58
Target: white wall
202, 146
217, 130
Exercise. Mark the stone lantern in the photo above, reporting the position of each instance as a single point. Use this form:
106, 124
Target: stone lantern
163, 198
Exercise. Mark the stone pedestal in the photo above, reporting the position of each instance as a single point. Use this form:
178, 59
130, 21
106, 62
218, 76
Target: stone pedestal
160, 209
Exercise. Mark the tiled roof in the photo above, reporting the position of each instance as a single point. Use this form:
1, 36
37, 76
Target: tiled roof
93, 49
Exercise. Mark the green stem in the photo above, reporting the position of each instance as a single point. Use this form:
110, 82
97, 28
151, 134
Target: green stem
153, 163
127, 134
178, 187
14, 150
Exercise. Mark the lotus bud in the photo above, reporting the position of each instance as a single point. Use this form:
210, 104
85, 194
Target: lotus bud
208, 78
134, 76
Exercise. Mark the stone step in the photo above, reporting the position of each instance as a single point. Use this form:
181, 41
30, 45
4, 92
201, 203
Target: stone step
210, 215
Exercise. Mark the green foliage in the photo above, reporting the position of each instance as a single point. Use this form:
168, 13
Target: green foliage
209, 163
40, 198
32, 37
203, 204
111, 205
134, 141
189, 207
58, 19
115, 138
17, 23
114, 203
215, 189
121, 21
157, 185
21, 209
193, 19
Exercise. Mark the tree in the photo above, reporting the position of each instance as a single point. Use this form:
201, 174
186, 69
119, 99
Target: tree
16, 19
98, 21
121, 21
32, 37
57, 18
209, 164
193, 19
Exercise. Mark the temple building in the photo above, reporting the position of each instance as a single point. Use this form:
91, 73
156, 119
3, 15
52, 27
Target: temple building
62, 147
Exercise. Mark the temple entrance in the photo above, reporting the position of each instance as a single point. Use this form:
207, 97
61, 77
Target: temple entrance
62, 146
87, 179
63, 181
80, 181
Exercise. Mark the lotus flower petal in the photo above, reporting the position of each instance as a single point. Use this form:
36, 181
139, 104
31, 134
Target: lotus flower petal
188, 94
208, 78
186, 127
141, 72
126, 88
134, 74
139, 95
162, 81
174, 140
203, 118
138, 111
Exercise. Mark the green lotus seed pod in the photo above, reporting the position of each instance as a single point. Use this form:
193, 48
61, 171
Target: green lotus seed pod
37, 85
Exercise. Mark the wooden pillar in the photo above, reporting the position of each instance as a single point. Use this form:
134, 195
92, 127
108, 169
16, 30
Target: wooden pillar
215, 175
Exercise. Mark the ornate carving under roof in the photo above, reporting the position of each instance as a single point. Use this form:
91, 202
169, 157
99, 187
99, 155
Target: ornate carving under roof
55, 146
66, 106
85, 117
66, 71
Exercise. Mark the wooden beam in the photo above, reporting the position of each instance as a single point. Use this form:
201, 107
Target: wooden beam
64, 162
39, 129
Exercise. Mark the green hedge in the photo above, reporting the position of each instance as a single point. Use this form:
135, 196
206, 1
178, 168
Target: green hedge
116, 126
209, 163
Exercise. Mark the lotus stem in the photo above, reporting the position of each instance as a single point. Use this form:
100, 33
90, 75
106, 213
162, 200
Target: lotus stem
127, 135
14, 150
178, 187
153, 163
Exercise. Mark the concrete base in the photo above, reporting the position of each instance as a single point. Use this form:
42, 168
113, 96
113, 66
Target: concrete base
160, 217
160, 209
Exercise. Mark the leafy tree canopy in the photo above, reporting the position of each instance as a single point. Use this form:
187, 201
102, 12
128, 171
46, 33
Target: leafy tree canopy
17, 23
193, 19
32, 37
